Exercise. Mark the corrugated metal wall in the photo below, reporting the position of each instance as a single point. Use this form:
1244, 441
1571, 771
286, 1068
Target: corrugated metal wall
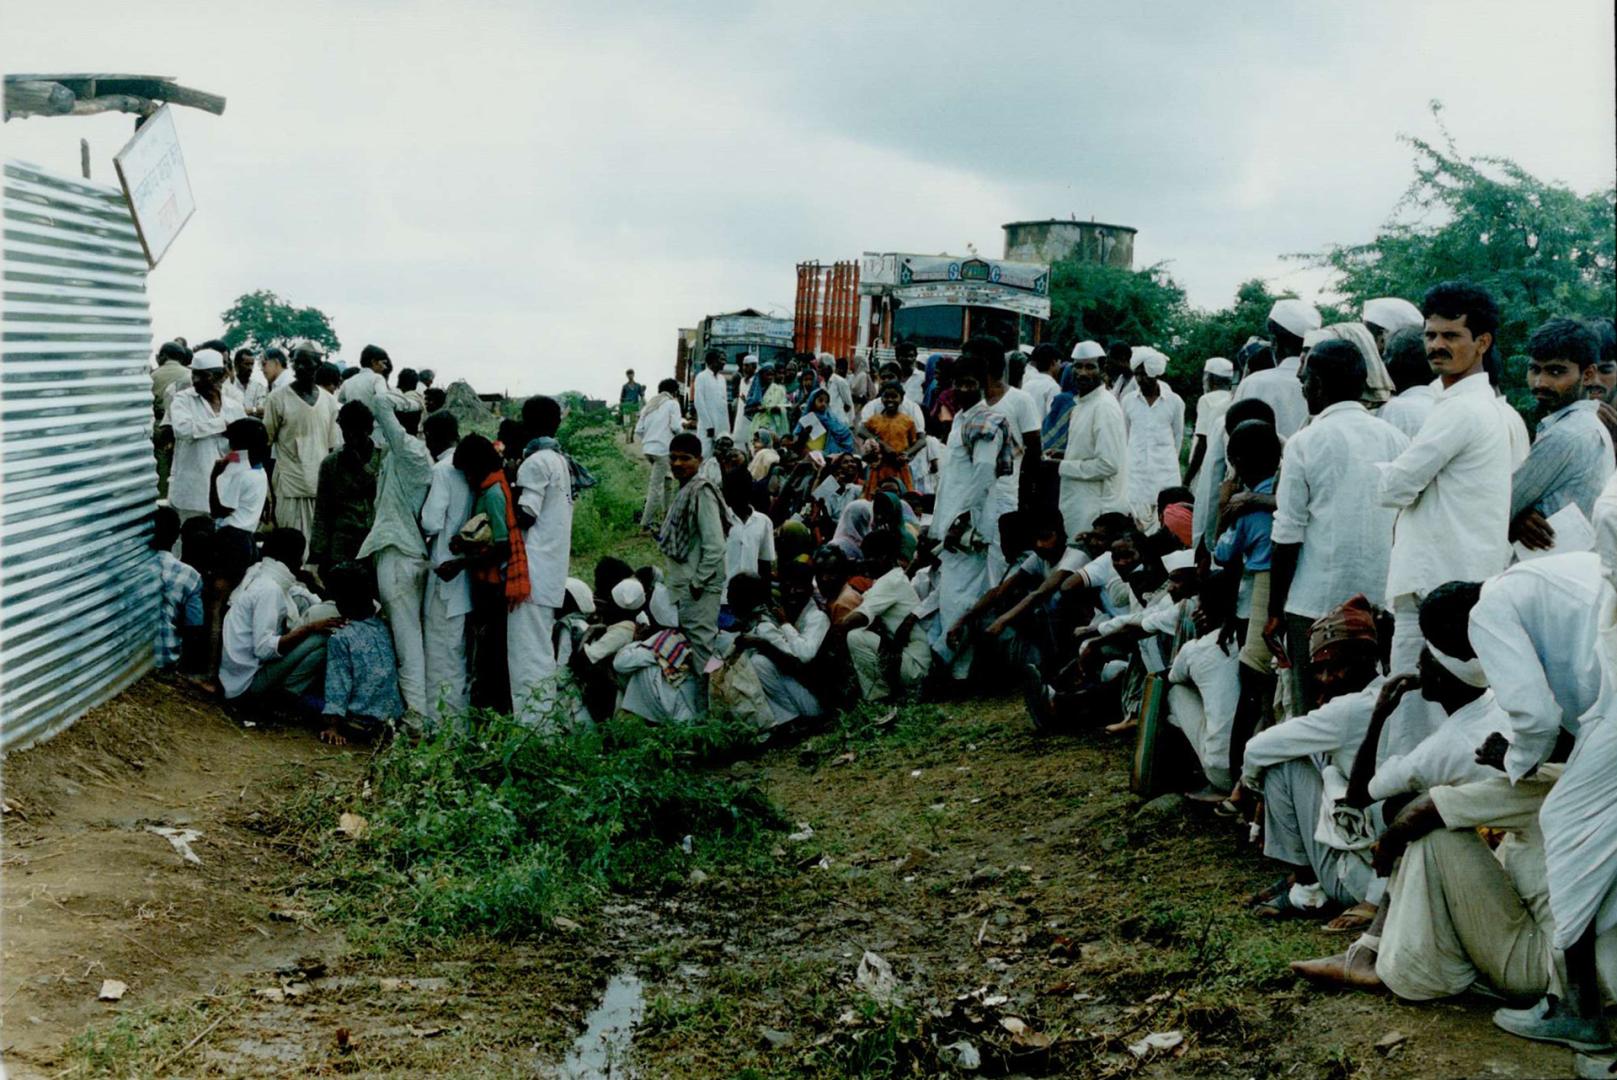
78, 589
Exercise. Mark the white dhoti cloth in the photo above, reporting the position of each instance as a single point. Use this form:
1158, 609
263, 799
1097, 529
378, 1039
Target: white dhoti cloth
531, 655
1454, 916
444, 640
1210, 741
962, 579
788, 698
1579, 820
401, 581
295, 513
864, 650
1292, 793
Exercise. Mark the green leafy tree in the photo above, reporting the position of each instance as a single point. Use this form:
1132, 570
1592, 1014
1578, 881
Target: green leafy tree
1092, 301
1540, 248
262, 319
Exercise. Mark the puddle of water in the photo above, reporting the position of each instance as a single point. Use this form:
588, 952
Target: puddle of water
602, 1051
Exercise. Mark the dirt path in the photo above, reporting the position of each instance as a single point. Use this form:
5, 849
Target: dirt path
1028, 916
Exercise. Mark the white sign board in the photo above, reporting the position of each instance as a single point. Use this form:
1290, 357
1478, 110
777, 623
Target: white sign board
152, 172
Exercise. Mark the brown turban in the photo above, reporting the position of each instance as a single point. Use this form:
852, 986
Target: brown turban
1353, 621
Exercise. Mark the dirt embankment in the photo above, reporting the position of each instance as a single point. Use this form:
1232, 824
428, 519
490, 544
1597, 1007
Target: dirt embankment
1026, 916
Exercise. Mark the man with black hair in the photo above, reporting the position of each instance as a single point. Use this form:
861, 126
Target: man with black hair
264, 652
1119, 375
1602, 385
710, 397
911, 376
692, 538
979, 452
1247, 547
1037, 382
447, 603
1331, 535
1535, 633
545, 502
180, 628
784, 645
361, 681
1451, 485
658, 424
1571, 457
1289, 321
1050, 558
1023, 420
244, 385
886, 644
300, 420
630, 398
1411, 379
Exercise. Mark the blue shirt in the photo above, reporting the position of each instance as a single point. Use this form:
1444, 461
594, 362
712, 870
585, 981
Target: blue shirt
362, 676
1248, 539
180, 606
1569, 463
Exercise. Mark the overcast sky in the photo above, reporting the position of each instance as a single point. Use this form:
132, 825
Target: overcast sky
534, 196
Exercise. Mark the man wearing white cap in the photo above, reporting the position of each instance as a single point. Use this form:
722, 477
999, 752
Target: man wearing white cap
199, 415
1289, 321
1218, 375
1095, 461
1154, 417
1386, 315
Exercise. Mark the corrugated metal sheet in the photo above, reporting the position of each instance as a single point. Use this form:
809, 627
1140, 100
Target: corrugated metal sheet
78, 585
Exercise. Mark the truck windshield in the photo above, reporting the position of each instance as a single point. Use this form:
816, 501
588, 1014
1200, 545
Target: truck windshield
936, 327
997, 323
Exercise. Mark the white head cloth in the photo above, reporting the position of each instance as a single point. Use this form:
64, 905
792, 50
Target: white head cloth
750, 358
1178, 560
207, 360
1467, 671
663, 610
583, 598
1146, 359
629, 595
1314, 337
825, 358
1088, 350
1295, 316
1378, 386
1220, 367
1392, 313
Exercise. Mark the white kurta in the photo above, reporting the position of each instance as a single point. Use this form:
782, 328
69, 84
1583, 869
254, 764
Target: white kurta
1201, 702
1094, 468
301, 435
1446, 756
965, 482
1041, 388
651, 696
712, 402
1282, 390
1409, 410
199, 442
801, 640
547, 494
741, 428
1155, 433
447, 603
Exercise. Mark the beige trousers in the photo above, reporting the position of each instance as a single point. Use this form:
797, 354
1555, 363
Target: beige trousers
864, 649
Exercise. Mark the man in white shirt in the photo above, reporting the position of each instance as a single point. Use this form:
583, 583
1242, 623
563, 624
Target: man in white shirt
447, 601
1218, 375
545, 510
1287, 763
888, 648
658, 424
246, 384
400, 555
1037, 382
374, 366
1094, 466
1204, 687
199, 415
711, 399
1155, 419
1024, 420
1412, 379
263, 653
1289, 321
1451, 485
749, 547
911, 375
1331, 536
301, 422
783, 651
978, 452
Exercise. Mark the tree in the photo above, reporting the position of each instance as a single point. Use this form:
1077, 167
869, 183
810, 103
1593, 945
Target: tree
262, 319
1540, 248
1093, 301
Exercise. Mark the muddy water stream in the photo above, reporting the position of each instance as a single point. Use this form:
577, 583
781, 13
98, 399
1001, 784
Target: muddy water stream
602, 1051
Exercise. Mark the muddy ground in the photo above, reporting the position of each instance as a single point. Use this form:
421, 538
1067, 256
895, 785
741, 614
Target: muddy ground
1030, 918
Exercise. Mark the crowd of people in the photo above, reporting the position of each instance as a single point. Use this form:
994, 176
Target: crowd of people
1343, 598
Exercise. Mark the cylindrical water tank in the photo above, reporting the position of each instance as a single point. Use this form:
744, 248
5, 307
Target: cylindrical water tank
1053, 239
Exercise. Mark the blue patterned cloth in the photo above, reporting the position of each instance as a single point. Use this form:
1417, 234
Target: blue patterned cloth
362, 675
180, 605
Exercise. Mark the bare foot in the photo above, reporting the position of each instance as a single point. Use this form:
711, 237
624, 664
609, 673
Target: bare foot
332, 736
1352, 970
1122, 727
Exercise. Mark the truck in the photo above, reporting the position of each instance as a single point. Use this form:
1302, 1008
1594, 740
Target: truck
935, 302
735, 334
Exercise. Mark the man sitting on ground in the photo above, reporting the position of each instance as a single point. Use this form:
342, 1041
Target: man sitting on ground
180, 629
362, 678
889, 650
266, 654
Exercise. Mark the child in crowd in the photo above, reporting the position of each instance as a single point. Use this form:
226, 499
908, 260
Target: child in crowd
362, 676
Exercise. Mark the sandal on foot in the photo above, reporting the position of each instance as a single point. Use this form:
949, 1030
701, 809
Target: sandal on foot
1352, 920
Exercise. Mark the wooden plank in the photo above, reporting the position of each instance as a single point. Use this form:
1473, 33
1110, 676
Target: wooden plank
164, 90
38, 99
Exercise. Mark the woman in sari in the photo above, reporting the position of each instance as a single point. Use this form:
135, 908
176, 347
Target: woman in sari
821, 429
897, 440
860, 384
855, 523
772, 402
764, 454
